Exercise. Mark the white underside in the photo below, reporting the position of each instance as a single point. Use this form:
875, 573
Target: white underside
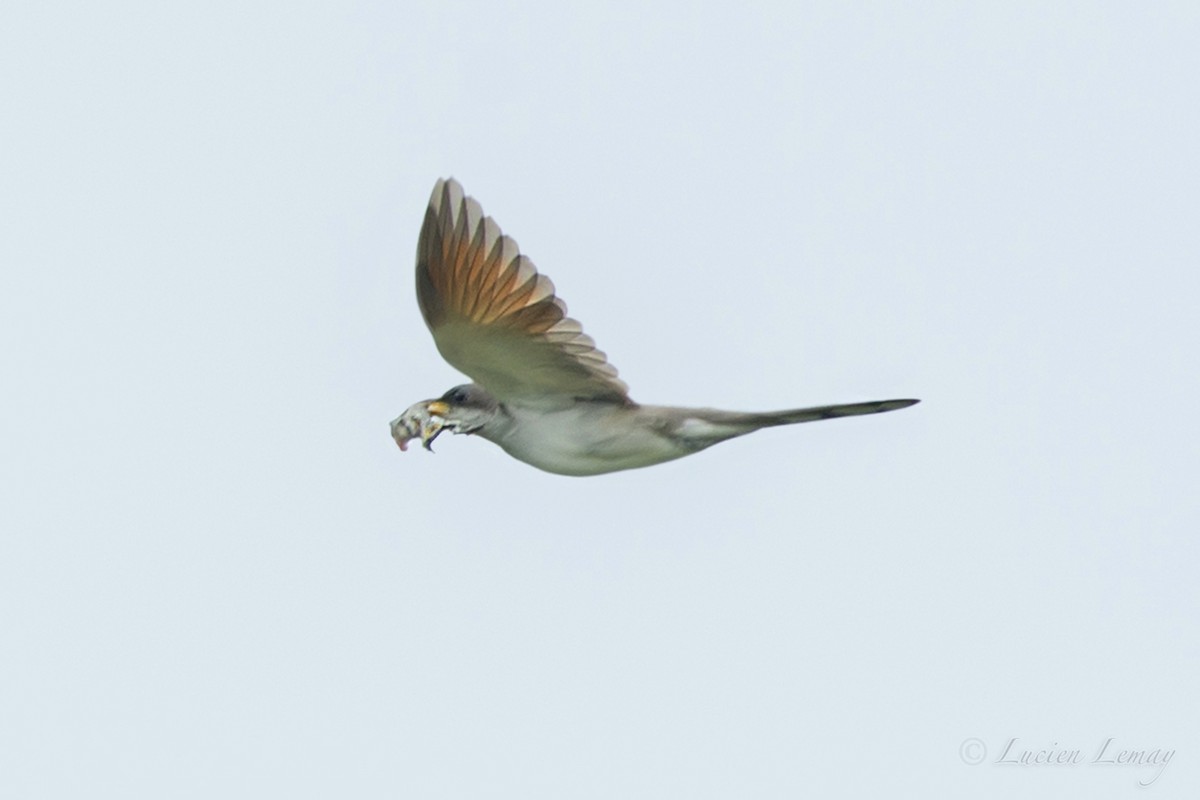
587, 439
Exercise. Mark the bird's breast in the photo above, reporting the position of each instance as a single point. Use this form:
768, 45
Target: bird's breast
587, 438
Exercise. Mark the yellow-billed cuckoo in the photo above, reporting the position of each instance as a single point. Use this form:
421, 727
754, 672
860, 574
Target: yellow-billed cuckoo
542, 390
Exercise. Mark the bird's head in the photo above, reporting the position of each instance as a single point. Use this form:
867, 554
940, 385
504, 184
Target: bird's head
463, 409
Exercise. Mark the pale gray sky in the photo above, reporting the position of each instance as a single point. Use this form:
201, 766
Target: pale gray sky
220, 578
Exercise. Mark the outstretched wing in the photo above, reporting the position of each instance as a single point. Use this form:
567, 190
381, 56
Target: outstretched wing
494, 317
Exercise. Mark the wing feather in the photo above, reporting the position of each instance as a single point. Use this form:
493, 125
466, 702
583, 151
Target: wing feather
495, 317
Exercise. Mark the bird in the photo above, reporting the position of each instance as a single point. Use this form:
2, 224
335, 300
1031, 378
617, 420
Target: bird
541, 390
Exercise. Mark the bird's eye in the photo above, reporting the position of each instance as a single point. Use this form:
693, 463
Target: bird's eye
459, 396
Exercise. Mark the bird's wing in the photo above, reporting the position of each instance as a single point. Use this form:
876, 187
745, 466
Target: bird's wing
494, 317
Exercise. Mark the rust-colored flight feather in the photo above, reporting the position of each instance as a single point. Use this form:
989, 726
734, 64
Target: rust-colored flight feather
495, 317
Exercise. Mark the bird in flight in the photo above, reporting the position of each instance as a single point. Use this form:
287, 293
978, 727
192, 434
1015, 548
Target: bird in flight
542, 391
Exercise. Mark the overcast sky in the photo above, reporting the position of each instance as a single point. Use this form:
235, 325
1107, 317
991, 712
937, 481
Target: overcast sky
219, 577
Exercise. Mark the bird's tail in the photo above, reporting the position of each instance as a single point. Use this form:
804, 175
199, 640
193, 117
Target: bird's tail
704, 427
828, 412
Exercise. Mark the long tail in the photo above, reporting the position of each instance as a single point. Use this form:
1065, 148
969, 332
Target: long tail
705, 427
827, 412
